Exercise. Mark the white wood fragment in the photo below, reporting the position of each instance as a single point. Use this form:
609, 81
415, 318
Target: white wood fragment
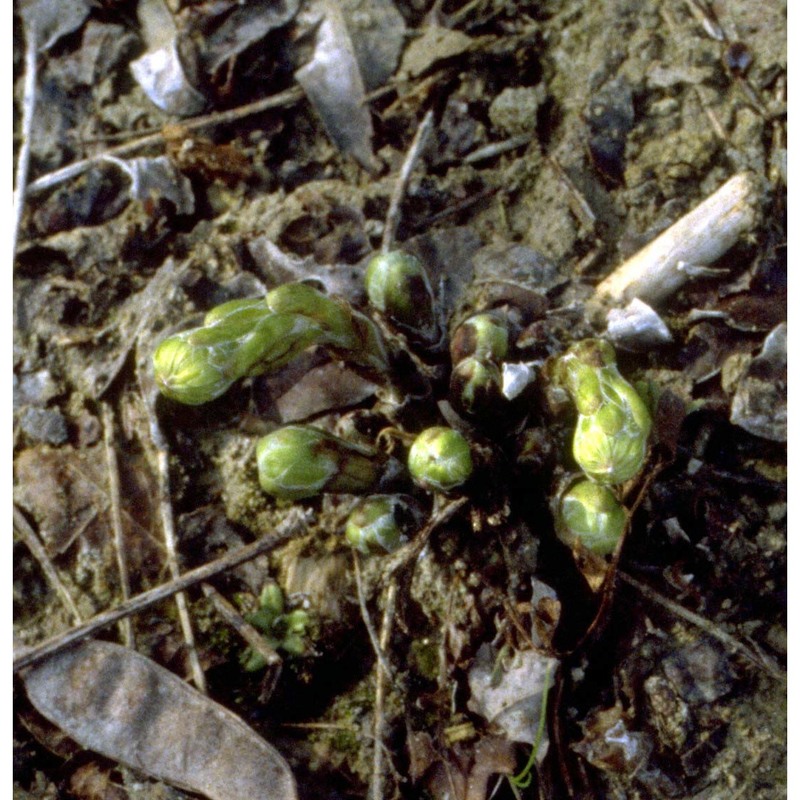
698, 238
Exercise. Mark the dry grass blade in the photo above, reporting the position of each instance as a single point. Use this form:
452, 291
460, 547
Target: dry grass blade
760, 660
30, 538
393, 214
28, 107
280, 100
116, 517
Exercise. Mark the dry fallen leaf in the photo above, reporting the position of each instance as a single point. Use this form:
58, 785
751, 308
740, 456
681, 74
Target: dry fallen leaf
511, 695
126, 707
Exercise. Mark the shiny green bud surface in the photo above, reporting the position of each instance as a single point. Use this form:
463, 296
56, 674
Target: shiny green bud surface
379, 524
349, 333
398, 286
276, 340
299, 461
610, 441
484, 336
589, 513
476, 387
440, 459
608, 458
190, 372
234, 307
252, 341
333, 315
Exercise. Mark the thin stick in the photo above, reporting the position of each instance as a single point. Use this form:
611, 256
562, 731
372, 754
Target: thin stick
282, 99
112, 467
28, 535
28, 107
376, 782
150, 598
498, 148
362, 605
242, 627
696, 240
578, 203
761, 660
170, 540
409, 552
393, 214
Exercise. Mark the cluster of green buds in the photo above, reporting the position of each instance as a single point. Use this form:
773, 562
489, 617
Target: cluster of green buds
247, 337
609, 444
382, 523
300, 461
283, 630
399, 288
477, 350
440, 459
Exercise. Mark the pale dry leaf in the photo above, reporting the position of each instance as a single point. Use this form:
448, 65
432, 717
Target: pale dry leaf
510, 695
332, 82
126, 707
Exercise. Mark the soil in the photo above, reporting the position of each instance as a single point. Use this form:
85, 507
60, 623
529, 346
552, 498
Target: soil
564, 137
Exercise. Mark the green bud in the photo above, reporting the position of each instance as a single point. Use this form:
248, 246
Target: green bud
590, 514
190, 372
484, 336
299, 461
346, 331
398, 286
287, 631
275, 341
610, 441
224, 310
251, 341
606, 458
380, 524
476, 387
333, 315
440, 459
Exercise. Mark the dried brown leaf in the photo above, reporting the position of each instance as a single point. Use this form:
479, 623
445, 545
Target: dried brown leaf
124, 706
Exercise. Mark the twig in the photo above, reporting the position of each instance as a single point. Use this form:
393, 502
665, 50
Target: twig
498, 148
168, 529
289, 97
696, 240
410, 551
456, 208
242, 627
761, 660
28, 107
578, 203
362, 604
393, 214
30, 538
376, 783
150, 598
322, 726
112, 468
